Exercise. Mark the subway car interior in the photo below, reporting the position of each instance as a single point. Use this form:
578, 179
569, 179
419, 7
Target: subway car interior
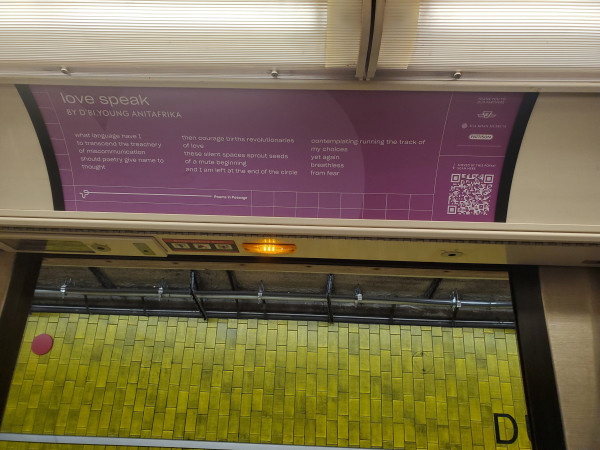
287, 224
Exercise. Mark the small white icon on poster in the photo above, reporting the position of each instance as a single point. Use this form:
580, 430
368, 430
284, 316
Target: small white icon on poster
486, 115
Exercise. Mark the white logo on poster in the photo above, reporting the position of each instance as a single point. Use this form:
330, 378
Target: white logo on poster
486, 115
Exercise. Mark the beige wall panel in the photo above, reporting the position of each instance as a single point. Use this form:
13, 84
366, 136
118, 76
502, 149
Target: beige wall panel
24, 180
557, 178
571, 299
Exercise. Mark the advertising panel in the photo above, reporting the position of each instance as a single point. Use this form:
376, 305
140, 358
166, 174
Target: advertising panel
280, 153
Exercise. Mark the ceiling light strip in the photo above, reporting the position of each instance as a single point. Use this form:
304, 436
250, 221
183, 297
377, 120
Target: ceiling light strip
517, 35
179, 35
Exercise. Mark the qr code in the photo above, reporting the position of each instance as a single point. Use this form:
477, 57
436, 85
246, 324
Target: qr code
470, 194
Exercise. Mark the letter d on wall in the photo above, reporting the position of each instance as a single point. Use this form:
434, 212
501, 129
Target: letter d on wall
497, 427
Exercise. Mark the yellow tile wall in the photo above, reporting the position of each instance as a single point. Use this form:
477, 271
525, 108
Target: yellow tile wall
284, 382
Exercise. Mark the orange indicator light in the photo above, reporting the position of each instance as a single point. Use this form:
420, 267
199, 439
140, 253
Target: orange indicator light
269, 248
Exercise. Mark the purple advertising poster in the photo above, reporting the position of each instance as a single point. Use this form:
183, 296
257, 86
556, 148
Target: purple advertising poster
280, 153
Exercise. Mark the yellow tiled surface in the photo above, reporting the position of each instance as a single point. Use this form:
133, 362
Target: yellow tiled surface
288, 382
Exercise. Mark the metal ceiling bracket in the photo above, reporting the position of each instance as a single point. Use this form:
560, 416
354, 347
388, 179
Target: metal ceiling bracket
456, 305
261, 291
199, 303
234, 287
63, 287
357, 295
102, 278
161, 289
329, 292
433, 286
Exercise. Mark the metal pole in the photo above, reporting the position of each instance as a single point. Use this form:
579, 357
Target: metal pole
252, 296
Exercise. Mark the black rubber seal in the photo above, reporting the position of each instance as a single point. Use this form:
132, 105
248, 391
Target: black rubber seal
13, 320
371, 30
512, 153
537, 368
37, 120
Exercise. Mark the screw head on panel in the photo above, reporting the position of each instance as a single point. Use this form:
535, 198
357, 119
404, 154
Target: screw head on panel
452, 254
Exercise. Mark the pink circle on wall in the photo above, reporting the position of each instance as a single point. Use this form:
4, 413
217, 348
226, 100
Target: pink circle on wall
42, 344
